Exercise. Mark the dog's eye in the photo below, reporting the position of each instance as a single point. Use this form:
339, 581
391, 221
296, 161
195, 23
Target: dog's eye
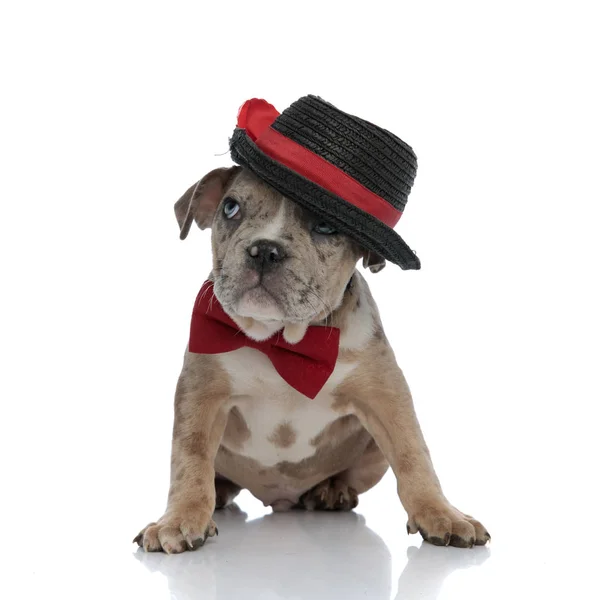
230, 208
325, 229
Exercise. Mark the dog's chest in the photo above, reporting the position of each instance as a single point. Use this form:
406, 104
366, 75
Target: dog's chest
276, 423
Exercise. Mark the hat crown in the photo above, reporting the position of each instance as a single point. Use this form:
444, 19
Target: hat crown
373, 156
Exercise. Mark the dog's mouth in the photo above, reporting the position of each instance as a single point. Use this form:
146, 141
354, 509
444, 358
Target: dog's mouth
259, 303
251, 298
267, 299
260, 312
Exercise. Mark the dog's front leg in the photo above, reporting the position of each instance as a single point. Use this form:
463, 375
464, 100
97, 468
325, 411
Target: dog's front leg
200, 419
384, 405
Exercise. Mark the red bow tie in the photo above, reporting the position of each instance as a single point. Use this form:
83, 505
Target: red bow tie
306, 366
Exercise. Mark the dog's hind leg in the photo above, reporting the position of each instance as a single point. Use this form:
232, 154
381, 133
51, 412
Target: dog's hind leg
341, 491
225, 491
330, 494
368, 470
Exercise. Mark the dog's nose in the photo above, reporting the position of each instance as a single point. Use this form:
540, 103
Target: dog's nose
265, 254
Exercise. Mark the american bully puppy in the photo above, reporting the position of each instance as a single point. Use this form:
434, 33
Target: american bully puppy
281, 271
289, 387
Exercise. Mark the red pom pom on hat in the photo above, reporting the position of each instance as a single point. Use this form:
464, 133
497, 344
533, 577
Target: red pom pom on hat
256, 115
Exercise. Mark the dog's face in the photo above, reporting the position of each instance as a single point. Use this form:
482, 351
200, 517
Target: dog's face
273, 261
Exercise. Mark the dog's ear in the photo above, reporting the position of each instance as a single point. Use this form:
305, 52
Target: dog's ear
373, 261
200, 201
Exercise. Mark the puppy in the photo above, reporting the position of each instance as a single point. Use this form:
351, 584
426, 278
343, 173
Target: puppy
239, 425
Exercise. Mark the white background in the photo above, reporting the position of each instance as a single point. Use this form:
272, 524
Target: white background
110, 110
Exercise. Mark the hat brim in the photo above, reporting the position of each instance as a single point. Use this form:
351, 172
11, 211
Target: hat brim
369, 232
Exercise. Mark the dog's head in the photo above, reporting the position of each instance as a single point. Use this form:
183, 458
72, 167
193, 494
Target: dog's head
275, 264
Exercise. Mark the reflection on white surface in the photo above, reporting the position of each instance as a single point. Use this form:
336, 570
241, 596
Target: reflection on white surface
81, 547
428, 566
297, 555
303, 555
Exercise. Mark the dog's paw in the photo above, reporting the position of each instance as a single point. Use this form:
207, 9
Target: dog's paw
176, 532
331, 494
446, 526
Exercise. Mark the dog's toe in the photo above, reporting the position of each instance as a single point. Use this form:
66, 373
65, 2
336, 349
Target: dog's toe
446, 526
176, 533
331, 494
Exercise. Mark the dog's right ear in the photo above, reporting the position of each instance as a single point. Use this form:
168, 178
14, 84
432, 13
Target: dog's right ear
372, 261
200, 201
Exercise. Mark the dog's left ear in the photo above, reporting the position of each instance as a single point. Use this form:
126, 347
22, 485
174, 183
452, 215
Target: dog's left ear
373, 261
200, 201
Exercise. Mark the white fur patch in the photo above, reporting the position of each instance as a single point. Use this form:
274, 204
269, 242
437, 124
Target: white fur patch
274, 228
265, 401
263, 312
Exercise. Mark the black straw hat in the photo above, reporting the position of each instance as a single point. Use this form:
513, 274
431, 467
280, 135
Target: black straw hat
352, 173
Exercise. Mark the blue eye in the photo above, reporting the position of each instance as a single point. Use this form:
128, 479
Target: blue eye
324, 229
230, 208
